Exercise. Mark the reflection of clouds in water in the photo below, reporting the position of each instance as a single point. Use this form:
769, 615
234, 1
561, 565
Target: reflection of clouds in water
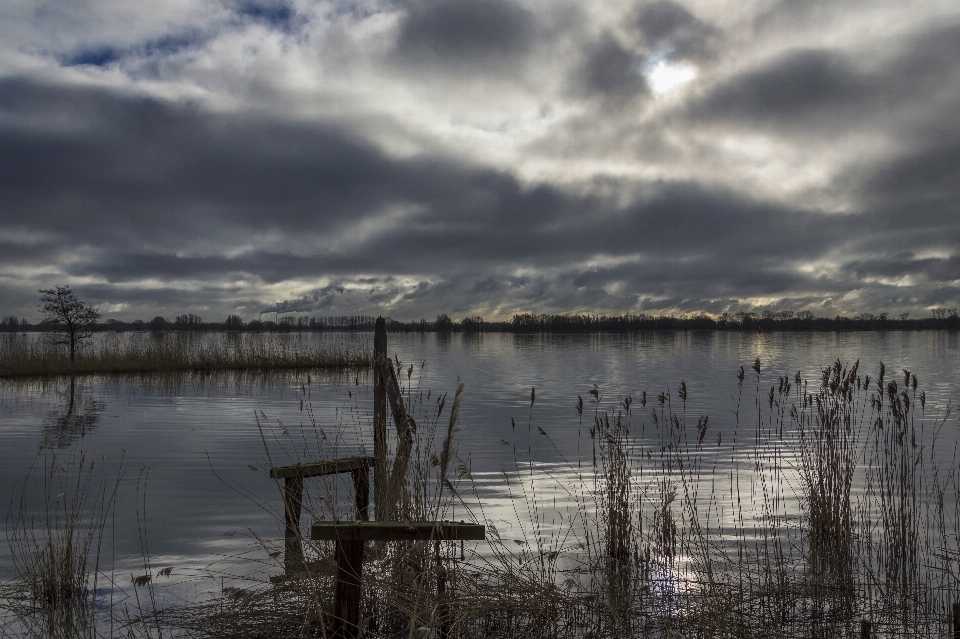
77, 416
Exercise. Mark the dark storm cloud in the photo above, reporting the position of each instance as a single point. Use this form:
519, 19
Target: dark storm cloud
670, 29
919, 182
466, 32
906, 264
826, 91
167, 205
791, 92
612, 71
140, 181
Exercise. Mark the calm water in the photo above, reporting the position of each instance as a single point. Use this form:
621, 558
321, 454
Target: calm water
194, 463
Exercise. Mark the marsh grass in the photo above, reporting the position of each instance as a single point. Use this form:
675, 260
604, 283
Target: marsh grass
147, 352
55, 537
828, 505
827, 509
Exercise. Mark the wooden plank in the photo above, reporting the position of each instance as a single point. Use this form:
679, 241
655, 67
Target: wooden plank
317, 469
361, 492
379, 422
395, 530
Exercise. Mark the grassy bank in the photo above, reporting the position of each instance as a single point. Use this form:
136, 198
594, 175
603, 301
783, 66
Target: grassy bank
141, 353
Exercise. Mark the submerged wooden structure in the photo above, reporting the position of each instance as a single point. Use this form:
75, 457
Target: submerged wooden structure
349, 537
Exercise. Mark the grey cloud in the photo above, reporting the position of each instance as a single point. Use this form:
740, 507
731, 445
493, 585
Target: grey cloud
467, 32
822, 92
318, 300
920, 181
670, 29
218, 208
138, 183
611, 71
791, 92
903, 264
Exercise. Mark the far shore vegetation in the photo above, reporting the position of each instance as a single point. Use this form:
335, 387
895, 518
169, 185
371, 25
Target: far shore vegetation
68, 323
940, 318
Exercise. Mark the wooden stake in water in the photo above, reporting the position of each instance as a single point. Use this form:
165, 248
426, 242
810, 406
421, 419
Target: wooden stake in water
350, 537
379, 422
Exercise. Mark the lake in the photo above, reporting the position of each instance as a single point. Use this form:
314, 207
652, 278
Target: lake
195, 495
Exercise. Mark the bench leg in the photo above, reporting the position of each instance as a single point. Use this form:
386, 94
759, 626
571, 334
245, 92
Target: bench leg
292, 497
346, 598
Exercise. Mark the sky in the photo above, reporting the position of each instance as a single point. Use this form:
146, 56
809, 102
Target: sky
480, 157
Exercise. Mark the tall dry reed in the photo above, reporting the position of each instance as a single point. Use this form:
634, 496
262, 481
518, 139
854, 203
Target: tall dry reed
56, 538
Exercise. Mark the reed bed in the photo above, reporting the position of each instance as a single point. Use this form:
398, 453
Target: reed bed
143, 352
828, 514
829, 511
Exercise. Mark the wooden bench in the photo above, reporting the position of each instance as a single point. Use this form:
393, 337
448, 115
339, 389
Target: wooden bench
349, 538
293, 477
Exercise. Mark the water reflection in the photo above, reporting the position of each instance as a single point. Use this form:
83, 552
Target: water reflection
77, 416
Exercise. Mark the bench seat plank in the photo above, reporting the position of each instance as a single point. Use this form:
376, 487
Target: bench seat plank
395, 531
317, 469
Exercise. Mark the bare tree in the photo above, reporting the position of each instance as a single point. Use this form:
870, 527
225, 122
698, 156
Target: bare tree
75, 319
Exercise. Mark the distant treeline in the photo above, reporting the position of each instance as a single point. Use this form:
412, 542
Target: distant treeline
191, 322
941, 318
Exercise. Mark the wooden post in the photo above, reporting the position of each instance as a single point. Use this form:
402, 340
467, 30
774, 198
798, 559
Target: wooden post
346, 597
865, 629
349, 538
379, 422
292, 497
361, 491
956, 621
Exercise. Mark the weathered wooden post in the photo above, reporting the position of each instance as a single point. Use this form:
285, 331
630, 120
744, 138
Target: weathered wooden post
349, 538
865, 629
292, 504
956, 621
379, 422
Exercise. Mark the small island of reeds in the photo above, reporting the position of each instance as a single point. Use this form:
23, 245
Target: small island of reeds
28, 355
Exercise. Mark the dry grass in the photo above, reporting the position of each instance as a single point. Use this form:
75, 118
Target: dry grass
143, 352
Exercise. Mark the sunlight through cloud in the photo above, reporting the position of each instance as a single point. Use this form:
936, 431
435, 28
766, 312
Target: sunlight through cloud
665, 77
